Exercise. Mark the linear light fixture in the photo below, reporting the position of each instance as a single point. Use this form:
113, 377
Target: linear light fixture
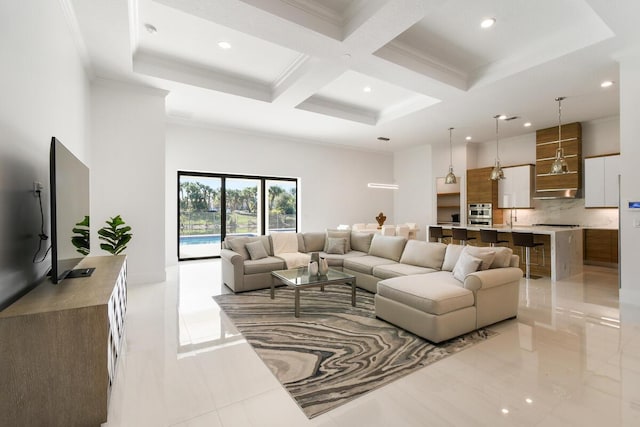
384, 186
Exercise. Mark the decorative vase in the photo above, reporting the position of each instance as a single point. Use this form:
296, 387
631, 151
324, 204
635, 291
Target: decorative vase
313, 268
323, 267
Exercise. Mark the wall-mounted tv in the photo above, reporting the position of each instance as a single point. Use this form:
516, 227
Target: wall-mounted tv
70, 237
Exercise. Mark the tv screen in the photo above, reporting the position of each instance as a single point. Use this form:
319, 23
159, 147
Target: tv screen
69, 182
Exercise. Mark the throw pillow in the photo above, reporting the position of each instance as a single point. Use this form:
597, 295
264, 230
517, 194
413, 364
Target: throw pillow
361, 241
485, 254
339, 233
256, 250
451, 257
503, 257
336, 245
466, 264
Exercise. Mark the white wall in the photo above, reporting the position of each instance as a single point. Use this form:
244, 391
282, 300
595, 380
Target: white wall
413, 202
45, 93
128, 171
630, 177
332, 180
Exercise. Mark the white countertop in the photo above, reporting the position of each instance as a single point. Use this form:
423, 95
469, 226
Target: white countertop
538, 229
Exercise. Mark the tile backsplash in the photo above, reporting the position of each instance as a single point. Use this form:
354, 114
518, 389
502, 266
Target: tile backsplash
565, 211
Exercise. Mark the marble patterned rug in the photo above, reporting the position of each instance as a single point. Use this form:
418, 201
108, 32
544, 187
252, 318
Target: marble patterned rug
333, 352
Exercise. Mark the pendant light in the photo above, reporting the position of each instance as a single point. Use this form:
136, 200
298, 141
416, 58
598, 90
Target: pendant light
496, 172
451, 177
559, 165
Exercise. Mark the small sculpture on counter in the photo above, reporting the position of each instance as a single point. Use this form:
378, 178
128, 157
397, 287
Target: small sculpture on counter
381, 219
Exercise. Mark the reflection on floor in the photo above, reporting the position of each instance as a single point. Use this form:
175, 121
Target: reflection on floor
567, 360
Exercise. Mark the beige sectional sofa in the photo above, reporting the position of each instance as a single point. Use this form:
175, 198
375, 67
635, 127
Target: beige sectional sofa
434, 290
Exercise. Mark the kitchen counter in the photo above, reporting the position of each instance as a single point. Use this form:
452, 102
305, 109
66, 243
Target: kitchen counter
565, 246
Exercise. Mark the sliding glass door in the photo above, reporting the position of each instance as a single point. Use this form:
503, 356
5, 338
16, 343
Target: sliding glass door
199, 217
213, 206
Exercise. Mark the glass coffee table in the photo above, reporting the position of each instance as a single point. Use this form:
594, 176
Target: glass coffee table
298, 278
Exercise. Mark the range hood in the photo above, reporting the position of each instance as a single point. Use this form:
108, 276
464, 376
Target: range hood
559, 186
568, 193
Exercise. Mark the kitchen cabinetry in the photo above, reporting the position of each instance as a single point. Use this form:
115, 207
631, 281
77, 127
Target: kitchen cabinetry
516, 189
600, 247
567, 185
601, 181
60, 347
481, 189
448, 202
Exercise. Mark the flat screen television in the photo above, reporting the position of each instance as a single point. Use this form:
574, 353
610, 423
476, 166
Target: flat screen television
70, 236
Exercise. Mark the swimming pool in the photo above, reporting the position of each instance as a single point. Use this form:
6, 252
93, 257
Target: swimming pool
205, 239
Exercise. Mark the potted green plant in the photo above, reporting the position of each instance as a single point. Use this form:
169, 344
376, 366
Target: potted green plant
116, 234
81, 238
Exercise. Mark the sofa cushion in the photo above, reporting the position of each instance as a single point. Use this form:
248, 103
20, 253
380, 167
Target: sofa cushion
314, 241
365, 264
336, 245
301, 245
237, 244
388, 271
256, 250
433, 293
487, 255
389, 247
336, 260
338, 233
451, 256
264, 265
361, 241
424, 254
503, 257
466, 264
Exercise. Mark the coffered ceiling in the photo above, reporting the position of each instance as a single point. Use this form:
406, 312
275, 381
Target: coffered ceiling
348, 71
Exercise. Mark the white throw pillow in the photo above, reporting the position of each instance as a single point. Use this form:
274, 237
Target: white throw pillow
503, 257
256, 250
466, 264
284, 243
487, 255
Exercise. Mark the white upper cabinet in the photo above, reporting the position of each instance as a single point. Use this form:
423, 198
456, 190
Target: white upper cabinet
601, 181
516, 189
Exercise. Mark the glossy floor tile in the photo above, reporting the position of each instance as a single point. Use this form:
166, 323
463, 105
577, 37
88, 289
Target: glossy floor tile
566, 360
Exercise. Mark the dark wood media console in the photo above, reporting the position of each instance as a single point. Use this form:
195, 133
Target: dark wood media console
59, 347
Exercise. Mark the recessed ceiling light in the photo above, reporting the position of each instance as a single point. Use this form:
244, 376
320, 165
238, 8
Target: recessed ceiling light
606, 83
150, 28
529, 400
366, 89
468, 138
383, 138
488, 22
527, 125
502, 117
224, 45
505, 411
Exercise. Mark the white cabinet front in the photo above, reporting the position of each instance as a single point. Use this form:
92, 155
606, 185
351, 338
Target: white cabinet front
601, 181
516, 189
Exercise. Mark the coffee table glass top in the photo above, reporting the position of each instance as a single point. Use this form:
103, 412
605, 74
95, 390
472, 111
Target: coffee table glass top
300, 276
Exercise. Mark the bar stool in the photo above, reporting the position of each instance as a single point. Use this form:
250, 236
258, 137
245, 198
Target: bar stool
461, 235
436, 232
491, 237
525, 240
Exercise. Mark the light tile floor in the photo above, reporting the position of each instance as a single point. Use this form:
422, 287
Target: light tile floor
567, 360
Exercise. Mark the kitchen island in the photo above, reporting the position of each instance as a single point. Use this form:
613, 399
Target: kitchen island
563, 247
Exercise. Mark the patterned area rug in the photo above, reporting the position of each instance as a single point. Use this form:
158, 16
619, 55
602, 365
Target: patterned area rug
333, 352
